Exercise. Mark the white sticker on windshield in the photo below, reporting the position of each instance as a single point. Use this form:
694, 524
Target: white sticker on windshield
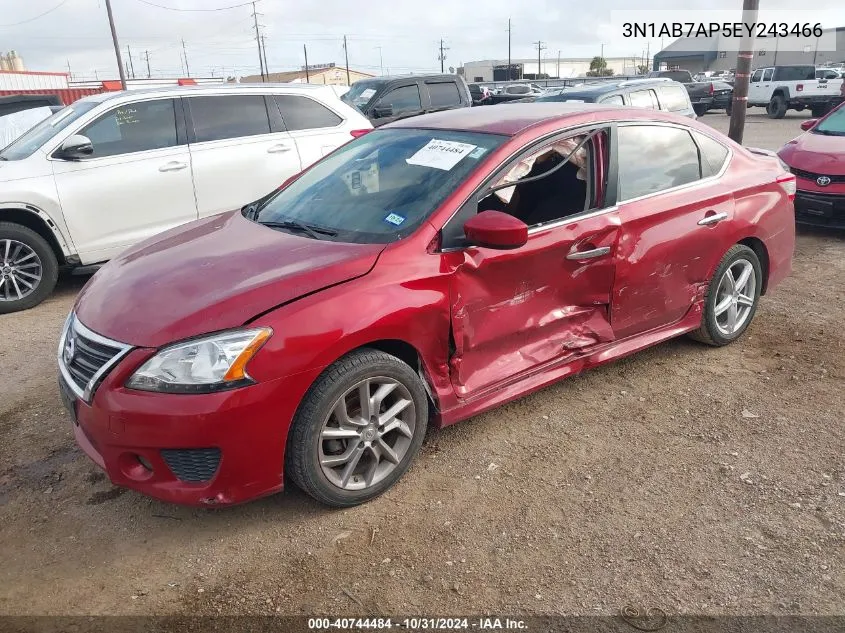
366, 94
440, 154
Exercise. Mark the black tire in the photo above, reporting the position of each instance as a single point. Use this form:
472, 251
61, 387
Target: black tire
700, 110
49, 268
777, 107
304, 444
709, 332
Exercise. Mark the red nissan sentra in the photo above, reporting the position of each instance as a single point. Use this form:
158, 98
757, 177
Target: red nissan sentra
419, 275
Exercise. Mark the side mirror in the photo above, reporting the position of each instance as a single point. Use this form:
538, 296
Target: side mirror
76, 147
806, 125
494, 229
381, 111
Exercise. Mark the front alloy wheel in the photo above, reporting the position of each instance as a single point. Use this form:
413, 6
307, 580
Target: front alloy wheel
358, 428
28, 268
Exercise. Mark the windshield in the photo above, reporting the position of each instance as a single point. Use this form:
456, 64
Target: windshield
378, 188
26, 145
833, 125
361, 93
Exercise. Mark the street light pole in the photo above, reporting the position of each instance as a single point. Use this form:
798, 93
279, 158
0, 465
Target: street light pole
743, 72
116, 46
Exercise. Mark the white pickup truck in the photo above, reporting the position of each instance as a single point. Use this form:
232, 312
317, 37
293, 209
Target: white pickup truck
782, 88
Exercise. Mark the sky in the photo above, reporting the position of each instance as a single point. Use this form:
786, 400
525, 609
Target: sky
398, 36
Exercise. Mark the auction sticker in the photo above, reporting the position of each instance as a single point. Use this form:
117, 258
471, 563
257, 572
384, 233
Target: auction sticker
440, 154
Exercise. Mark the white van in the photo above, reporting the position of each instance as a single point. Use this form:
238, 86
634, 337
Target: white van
116, 168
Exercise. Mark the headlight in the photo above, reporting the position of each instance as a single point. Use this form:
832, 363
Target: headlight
202, 365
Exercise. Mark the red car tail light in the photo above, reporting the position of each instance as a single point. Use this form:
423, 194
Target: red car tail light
357, 133
787, 181
799, 87
712, 89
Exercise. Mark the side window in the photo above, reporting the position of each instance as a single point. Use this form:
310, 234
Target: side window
713, 154
673, 98
404, 99
613, 99
757, 76
230, 116
444, 94
302, 113
653, 158
134, 127
644, 99
767, 74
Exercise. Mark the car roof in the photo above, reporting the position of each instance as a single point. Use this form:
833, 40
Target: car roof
388, 78
604, 87
241, 88
511, 119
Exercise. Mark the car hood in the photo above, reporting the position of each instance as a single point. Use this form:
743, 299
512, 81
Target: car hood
816, 153
211, 275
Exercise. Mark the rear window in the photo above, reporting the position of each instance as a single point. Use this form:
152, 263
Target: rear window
302, 113
444, 93
794, 73
228, 116
643, 99
613, 100
673, 98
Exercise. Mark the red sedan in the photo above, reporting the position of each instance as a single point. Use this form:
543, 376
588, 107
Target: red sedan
817, 158
419, 275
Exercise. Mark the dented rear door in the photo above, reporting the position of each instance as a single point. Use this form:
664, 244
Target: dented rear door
514, 311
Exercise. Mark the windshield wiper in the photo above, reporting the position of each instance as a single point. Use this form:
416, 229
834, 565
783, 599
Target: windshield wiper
317, 232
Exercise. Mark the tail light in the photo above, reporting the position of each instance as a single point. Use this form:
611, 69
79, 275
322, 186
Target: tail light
799, 88
787, 181
357, 133
712, 89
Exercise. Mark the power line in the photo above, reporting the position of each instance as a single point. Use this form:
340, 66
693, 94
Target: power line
41, 15
160, 6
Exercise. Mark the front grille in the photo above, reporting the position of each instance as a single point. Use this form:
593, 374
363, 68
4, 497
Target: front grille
808, 175
192, 464
86, 357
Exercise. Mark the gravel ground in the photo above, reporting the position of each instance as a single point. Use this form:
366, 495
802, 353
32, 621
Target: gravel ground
706, 481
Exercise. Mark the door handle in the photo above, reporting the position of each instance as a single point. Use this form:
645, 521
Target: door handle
277, 149
590, 254
173, 165
713, 219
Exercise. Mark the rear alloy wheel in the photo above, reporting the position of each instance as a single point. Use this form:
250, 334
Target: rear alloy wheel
28, 268
777, 107
358, 429
731, 298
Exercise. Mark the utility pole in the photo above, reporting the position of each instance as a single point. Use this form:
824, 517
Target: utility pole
602, 51
509, 50
264, 48
307, 78
540, 49
442, 56
743, 72
131, 63
258, 41
147, 55
346, 55
380, 60
185, 51
558, 64
116, 46
69, 73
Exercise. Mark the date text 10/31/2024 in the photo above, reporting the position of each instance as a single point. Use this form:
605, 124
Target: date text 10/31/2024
417, 624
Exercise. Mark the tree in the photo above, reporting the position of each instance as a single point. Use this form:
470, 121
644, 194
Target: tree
598, 68
642, 69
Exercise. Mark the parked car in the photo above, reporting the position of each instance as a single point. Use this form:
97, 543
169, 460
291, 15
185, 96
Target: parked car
116, 168
828, 73
700, 92
782, 88
424, 273
10, 104
13, 125
515, 91
723, 94
817, 158
387, 99
656, 94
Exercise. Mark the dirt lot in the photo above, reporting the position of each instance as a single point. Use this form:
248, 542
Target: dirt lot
699, 480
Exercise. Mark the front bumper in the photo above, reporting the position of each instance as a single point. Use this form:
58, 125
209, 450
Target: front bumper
204, 450
820, 209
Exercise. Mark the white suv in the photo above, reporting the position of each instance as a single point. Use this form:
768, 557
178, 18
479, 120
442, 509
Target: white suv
116, 168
